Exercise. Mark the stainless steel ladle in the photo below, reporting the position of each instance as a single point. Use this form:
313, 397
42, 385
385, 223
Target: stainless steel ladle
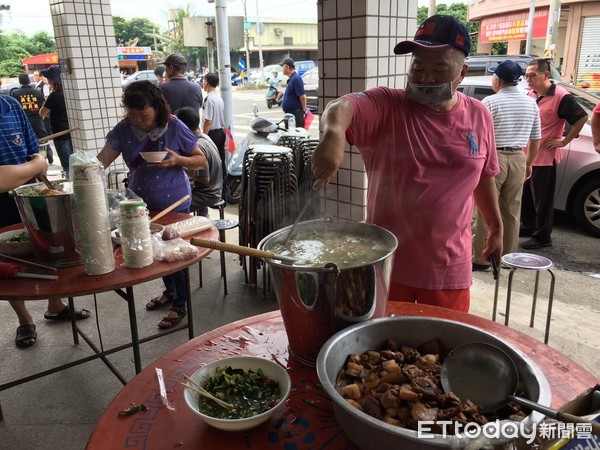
488, 377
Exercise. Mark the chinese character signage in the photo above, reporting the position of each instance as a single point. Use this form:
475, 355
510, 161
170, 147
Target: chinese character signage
511, 27
134, 51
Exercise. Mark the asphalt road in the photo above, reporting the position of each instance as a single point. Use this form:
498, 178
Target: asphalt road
573, 249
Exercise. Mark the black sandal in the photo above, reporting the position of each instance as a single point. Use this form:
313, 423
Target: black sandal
26, 335
170, 322
155, 303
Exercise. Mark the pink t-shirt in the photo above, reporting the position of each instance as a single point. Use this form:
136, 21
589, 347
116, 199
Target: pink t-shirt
422, 167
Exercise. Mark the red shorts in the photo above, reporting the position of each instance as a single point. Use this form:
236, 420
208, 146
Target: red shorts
457, 299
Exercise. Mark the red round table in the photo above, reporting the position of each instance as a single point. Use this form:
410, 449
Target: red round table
307, 420
73, 281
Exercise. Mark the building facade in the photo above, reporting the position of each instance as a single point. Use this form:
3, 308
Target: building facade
577, 51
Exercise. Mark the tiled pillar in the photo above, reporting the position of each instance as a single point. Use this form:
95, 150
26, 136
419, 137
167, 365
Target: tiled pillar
85, 38
356, 52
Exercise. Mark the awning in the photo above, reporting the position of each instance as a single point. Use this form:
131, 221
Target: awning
45, 58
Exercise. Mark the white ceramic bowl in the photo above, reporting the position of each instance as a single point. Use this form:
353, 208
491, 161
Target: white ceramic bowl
271, 369
154, 157
15, 248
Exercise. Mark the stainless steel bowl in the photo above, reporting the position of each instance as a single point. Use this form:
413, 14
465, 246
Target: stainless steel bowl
370, 433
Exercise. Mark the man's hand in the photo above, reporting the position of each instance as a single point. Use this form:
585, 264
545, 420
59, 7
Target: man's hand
327, 159
528, 172
554, 143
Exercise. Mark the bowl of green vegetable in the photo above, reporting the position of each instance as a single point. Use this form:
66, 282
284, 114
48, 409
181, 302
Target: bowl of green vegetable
253, 387
15, 243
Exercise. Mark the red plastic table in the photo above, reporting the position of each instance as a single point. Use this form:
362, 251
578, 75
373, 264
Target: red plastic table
307, 420
73, 282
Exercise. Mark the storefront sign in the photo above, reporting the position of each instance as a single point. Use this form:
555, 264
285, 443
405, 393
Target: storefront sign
126, 51
511, 27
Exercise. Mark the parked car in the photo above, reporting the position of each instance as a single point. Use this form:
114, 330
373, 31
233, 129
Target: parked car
139, 76
578, 174
479, 64
304, 66
8, 88
311, 89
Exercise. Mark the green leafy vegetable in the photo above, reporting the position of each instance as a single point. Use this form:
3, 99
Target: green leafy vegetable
251, 393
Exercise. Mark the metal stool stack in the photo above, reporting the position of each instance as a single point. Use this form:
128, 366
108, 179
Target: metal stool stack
222, 225
526, 261
306, 179
268, 203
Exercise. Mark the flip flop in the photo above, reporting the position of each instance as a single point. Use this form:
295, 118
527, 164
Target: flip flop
65, 314
26, 335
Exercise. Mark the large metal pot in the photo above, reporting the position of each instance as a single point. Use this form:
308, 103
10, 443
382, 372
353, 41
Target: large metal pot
316, 302
49, 222
370, 433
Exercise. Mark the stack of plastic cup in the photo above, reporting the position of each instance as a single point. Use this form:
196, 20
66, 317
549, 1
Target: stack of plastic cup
134, 228
91, 210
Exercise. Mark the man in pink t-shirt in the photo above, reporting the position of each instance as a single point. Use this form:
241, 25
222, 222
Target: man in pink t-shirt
428, 152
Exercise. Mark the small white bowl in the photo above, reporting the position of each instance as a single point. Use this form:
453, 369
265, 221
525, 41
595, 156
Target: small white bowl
15, 248
271, 370
155, 228
154, 157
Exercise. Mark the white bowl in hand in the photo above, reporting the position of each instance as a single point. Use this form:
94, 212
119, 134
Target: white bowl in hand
154, 157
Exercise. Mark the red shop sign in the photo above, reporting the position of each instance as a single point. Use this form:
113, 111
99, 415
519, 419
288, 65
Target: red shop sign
511, 27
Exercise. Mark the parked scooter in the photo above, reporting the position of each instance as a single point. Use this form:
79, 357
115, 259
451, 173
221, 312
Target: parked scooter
261, 129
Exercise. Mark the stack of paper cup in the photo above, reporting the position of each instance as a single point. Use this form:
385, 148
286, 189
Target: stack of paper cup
136, 240
91, 210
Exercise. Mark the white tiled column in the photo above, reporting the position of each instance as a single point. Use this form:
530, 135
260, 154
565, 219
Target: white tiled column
85, 37
356, 52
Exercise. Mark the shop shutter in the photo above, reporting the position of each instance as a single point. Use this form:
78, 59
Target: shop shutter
588, 67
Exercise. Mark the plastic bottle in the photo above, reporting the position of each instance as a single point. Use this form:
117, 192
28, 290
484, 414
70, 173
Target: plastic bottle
292, 124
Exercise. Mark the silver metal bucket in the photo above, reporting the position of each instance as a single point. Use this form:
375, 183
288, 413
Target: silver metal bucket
317, 302
49, 222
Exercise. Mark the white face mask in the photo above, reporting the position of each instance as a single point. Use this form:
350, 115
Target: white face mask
432, 95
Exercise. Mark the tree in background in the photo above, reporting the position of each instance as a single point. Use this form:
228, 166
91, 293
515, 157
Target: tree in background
139, 31
459, 12
15, 47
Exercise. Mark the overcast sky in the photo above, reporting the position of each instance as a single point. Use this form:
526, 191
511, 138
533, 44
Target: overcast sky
31, 16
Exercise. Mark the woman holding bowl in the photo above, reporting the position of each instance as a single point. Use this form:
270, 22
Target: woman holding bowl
149, 126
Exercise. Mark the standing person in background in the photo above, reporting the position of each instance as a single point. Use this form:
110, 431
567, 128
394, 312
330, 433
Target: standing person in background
596, 127
179, 91
42, 86
516, 123
294, 98
17, 142
32, 100
557, 107
160, 74
149, 126
428, 151
56, 108
214, 117
208, 181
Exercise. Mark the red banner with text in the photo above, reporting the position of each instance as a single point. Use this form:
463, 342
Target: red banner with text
511, 27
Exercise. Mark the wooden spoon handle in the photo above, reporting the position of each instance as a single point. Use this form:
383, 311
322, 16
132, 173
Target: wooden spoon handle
55, 135
571, 418
170, 208
232, 248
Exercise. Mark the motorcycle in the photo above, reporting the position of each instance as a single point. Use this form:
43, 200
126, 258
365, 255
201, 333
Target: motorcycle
271, 97
261, 129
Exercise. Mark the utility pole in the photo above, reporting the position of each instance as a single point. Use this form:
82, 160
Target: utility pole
223, 57
431, 11
530, 28
246, 37
552, 33
259, 31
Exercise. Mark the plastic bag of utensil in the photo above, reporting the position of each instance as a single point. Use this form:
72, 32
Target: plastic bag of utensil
173, 249
115, 197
